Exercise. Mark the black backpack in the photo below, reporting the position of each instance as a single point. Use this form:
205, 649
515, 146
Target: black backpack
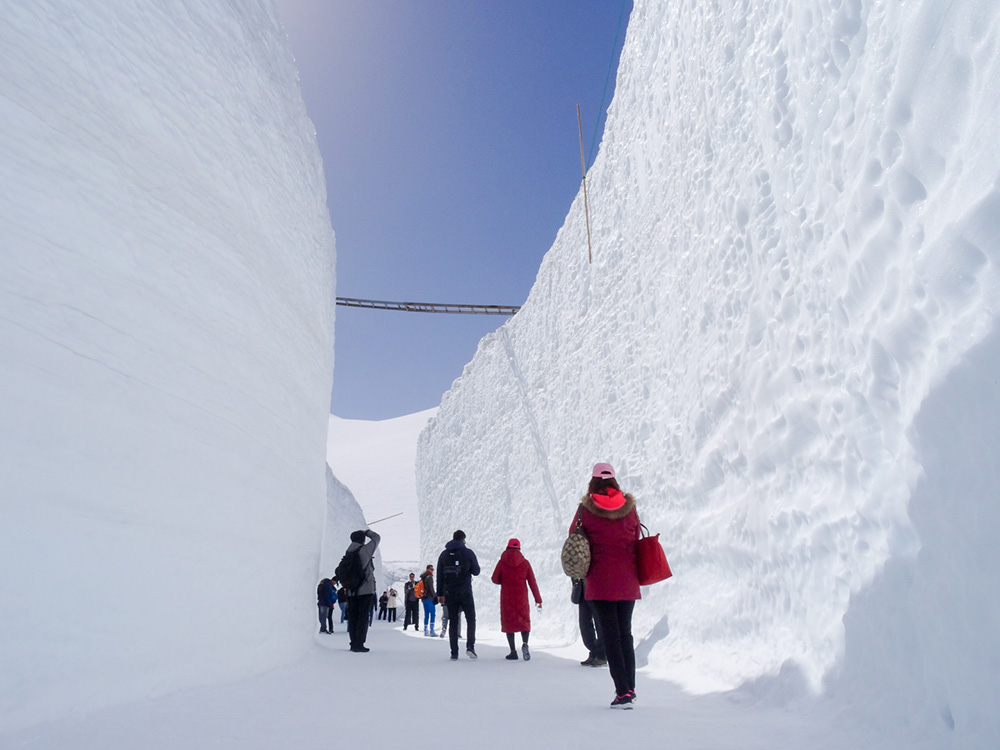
454, 569
350, 572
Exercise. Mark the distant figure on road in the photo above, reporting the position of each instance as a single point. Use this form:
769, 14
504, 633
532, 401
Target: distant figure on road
326, 597
429, 598
391, 605
411, 604
342, 602
383, 602
514, 575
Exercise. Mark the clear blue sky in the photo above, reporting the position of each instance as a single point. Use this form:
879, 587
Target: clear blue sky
449, 138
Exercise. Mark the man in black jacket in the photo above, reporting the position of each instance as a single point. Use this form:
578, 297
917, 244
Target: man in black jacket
411, 604
455, 568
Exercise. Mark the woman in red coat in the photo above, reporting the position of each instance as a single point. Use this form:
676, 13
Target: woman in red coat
611, 523
512, 572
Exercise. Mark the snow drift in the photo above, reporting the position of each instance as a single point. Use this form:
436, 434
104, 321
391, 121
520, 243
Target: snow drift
796, 222
166, 311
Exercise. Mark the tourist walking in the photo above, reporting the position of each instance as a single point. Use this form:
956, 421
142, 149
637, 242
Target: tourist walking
391, 605
514, 575
455, 568
342, 602
326, 597
610, 521
429, 600
411, 604
383, 601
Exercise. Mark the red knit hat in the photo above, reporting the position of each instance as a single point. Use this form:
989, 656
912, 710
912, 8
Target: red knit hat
513, 544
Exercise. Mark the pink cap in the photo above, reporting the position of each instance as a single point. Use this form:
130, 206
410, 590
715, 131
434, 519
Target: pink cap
513, 544
604, 471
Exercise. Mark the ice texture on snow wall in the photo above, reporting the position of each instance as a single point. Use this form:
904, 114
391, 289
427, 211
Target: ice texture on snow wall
796, 220
166, 312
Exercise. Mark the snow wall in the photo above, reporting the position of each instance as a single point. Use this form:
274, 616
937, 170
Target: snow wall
794, 292
343, 515
166, 312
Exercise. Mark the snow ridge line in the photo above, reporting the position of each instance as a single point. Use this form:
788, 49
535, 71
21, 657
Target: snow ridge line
533, 429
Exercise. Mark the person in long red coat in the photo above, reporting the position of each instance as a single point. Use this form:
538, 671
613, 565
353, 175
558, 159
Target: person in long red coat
512, 572
611, 523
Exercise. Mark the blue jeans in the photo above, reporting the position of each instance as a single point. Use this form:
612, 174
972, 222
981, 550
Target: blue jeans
430, 612
325, 617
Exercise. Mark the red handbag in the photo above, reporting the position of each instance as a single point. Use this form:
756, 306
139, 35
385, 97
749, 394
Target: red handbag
653, 566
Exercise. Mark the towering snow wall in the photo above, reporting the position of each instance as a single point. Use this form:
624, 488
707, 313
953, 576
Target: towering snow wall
166, 318
343, 515
796, 223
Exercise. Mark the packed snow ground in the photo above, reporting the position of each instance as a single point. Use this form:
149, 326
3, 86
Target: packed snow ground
334, 697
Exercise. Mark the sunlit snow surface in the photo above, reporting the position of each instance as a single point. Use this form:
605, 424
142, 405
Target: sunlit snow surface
796, 219
166, 318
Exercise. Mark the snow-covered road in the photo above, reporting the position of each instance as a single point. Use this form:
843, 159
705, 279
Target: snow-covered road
406, 689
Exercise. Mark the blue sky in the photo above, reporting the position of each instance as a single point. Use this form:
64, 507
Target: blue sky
449, 139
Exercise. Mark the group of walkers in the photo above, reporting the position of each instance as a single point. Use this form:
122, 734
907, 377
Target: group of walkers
610, 521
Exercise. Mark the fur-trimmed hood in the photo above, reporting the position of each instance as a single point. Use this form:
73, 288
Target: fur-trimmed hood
588, 502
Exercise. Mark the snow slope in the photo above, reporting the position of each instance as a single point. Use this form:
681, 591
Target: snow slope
376, 460
796, 223
166, 312
343, 515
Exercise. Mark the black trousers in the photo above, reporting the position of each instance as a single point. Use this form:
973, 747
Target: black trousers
590, 631
466, 605
412, 614
358, 608
524, 638
615, 622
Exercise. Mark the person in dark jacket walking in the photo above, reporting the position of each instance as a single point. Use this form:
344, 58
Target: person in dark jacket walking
455, 568
512, 573
611, 523
326, 597
382, 602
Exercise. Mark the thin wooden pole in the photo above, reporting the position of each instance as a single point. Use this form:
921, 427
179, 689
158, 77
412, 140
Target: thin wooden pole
583, 165
386, 518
